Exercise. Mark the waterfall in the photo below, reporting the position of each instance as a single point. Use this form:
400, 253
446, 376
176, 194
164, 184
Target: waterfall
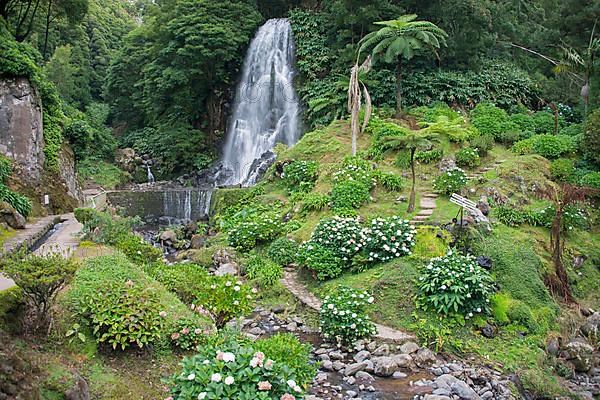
185, 205
150, 174
265, 110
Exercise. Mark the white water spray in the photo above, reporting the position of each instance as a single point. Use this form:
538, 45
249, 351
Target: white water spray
265, 111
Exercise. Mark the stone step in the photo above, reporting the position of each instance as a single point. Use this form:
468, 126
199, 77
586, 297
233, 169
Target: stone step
420, 217
426, 212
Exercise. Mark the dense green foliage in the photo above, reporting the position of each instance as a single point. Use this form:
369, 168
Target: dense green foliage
343, 317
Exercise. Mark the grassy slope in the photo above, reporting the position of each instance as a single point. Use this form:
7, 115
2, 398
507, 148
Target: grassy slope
392, 283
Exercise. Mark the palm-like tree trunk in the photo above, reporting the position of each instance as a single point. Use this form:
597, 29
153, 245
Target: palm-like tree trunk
399, 88
412, 199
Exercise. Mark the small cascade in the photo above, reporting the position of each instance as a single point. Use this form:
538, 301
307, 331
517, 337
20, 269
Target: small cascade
265, 111
150, 175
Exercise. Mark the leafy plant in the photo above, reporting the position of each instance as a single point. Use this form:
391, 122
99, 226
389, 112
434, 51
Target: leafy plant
324, 262
562, 170
183, 279
349, 195
285, 348
355, 169
429, 156
509, 216
254, 229
389, 181
40, 278
315, 202
388, 238
490, 120
551, 146
343, 316
263, 270
455, 130
5, 168
451, 181
75, 333
187, 335
592, 180
232, 370
468, 157
455, 284
283, 251
300, 175
20, 203
483, 144
343, 236
227, 298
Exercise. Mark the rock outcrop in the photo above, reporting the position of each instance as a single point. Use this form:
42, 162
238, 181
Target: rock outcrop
22, 140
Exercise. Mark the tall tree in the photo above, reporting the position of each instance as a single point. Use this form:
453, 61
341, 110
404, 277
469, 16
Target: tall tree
412, 141
402, 39
356, 91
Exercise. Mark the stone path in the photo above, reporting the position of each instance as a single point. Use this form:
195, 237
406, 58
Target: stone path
426, 207
291, 283
63, 240
480, 171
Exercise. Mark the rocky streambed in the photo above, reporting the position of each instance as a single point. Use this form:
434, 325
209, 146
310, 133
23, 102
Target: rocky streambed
380, 370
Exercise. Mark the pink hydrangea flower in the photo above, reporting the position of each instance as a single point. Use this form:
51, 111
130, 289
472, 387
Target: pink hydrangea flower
185, 331
287, 396
175, 336
264, 385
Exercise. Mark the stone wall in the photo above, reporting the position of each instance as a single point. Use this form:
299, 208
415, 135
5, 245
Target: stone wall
21, 127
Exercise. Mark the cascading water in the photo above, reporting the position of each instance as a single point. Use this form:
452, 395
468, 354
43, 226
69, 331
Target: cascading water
265, 110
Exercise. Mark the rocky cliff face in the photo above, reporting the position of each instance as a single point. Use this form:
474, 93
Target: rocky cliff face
21, 127
22, 140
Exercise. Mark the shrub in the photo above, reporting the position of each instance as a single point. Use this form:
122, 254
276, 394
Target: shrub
520, 313
315, 202
19, 202
349, 195
402, 160
343, 316
84, 215
489, 119
510, 137
256, 229
509, 215
183, 279
456, 130
230, 370
544, 123
524, 122
137, 249
263, 270
433, 112
388, 238
285, 348
356, 169
40, 278
226, 299
562, 170
524, 146
591, 135
324, 263
551, 146
455, 284
592, 180
104, 228
389, 181
572, 130
483, 144
343, 236
300, 175
451, 181
186, 334
5, 168
430, 156
283, 251
467, 157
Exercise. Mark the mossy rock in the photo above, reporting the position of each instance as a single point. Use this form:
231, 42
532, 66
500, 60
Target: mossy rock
222, 199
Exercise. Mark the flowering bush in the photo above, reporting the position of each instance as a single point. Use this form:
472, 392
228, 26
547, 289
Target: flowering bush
451, 181
232, 371
429, 156
343, 236
283, 251
321, 260
300, 175
225, 298
468, 157
388, 238
349, 195
187, 334
263, 270
343, 316
455, 284
356, 169
261, 228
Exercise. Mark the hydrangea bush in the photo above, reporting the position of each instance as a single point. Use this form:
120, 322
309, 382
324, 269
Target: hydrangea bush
186, 334
261, 228
451, 181
388, 238
348, 195
324, 263
300, 175
455, 284
225, 298
232, 371
343, 236
283, 251
468, 157
343, 317
357, 169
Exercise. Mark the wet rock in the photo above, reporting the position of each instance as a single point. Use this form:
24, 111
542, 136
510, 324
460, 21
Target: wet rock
484, 206
403, 360
351, 394
278, 309
553, 347
321, 377
227, 269
352, 369
11, 216
168, 236
463, 390
336, 355
338, 365
488, 331
436, 397
79, 391
424, 357
382, 350
197, 241
361, 356
327, 365
364, 376
409, 348
384, 366
591, 328
399, 375
580, 354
